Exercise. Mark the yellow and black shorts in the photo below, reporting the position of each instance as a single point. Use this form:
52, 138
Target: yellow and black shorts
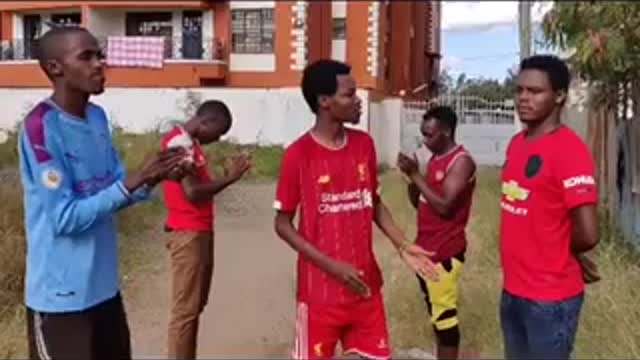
442, 296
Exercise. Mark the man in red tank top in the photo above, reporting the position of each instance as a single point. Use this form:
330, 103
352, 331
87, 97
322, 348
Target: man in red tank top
443, 199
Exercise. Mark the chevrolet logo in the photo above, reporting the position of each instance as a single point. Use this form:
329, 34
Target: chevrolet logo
512, 191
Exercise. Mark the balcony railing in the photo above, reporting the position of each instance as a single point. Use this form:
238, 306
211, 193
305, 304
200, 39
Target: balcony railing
176, 49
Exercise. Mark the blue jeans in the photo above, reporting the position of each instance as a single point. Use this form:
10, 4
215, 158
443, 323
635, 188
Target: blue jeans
539, 330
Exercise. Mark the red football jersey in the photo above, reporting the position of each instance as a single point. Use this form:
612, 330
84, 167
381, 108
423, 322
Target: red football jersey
336, 191
542, 181
182, 214
445, 237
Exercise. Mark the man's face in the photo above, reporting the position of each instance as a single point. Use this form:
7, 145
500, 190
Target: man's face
80, 64
212, 129
535, 97
434, 136
345, 105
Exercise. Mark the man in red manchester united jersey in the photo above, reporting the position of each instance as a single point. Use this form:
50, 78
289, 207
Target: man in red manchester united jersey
443, 199
329, 175
549, 219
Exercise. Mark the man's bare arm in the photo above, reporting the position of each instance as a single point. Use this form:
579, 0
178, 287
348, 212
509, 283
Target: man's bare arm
454, 183
585, 228
197, 191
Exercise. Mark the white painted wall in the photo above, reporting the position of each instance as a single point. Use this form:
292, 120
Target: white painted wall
339, 50
252, 62
103, 23
208, 24
339, 9
270, 116
385, 129
252, 4
18, 27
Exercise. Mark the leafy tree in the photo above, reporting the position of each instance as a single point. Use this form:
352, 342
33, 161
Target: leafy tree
488, 89
604, 38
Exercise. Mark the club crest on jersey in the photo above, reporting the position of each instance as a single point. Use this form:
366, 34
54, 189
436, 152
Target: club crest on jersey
362, 171
512, 191
51, 179
317, 349
439, 175
324, 179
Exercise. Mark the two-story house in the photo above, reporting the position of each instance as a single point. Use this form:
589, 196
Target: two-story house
248, 53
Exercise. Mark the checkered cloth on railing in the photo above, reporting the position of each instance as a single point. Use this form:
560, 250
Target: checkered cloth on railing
135, 51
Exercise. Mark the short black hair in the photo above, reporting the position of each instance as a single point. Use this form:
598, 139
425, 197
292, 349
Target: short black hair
320, 78
444, 116
556, 69
47, 46
215, 110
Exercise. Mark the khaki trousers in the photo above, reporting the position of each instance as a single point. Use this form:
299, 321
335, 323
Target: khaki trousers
191, 256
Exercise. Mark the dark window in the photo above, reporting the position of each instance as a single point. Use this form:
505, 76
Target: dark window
152, 24
72, 19
339, 29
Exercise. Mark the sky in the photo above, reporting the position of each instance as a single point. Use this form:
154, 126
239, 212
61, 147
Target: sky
480, 38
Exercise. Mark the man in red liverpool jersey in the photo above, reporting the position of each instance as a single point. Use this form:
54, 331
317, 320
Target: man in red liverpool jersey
190, 222
549, 219
443, 199
330, 175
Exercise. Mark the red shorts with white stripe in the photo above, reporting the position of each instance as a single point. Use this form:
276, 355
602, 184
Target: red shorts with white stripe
361, 329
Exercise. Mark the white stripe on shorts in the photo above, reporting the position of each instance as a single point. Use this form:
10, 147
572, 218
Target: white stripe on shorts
41, 346
301, 350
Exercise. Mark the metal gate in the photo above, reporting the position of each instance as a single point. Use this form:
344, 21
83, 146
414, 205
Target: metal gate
484, 127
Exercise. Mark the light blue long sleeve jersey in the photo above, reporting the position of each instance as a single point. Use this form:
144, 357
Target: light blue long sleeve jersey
73, 184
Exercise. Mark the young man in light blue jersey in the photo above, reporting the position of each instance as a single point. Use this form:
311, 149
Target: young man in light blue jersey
73, 184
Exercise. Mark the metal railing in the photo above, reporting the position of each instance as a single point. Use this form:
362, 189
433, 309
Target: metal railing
184, 48
176, 48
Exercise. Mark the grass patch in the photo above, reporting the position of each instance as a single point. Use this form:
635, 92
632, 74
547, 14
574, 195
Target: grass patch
610, 319
133, 224
9, 151
12, 257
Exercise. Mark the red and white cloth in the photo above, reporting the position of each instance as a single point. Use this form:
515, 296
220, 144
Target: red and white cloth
135, 51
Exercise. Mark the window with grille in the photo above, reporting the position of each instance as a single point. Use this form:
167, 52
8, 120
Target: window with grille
151, 24
339, 28
252, 31
61, 20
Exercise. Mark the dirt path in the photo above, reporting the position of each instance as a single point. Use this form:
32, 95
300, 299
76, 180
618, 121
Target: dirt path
251, 306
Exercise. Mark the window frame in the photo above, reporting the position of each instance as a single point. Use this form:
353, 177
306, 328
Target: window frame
253, 31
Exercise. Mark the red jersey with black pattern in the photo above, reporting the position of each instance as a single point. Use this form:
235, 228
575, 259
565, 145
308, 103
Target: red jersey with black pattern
542, 181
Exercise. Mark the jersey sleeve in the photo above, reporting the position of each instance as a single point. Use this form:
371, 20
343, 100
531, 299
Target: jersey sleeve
575, 170
288, 188
46, 177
